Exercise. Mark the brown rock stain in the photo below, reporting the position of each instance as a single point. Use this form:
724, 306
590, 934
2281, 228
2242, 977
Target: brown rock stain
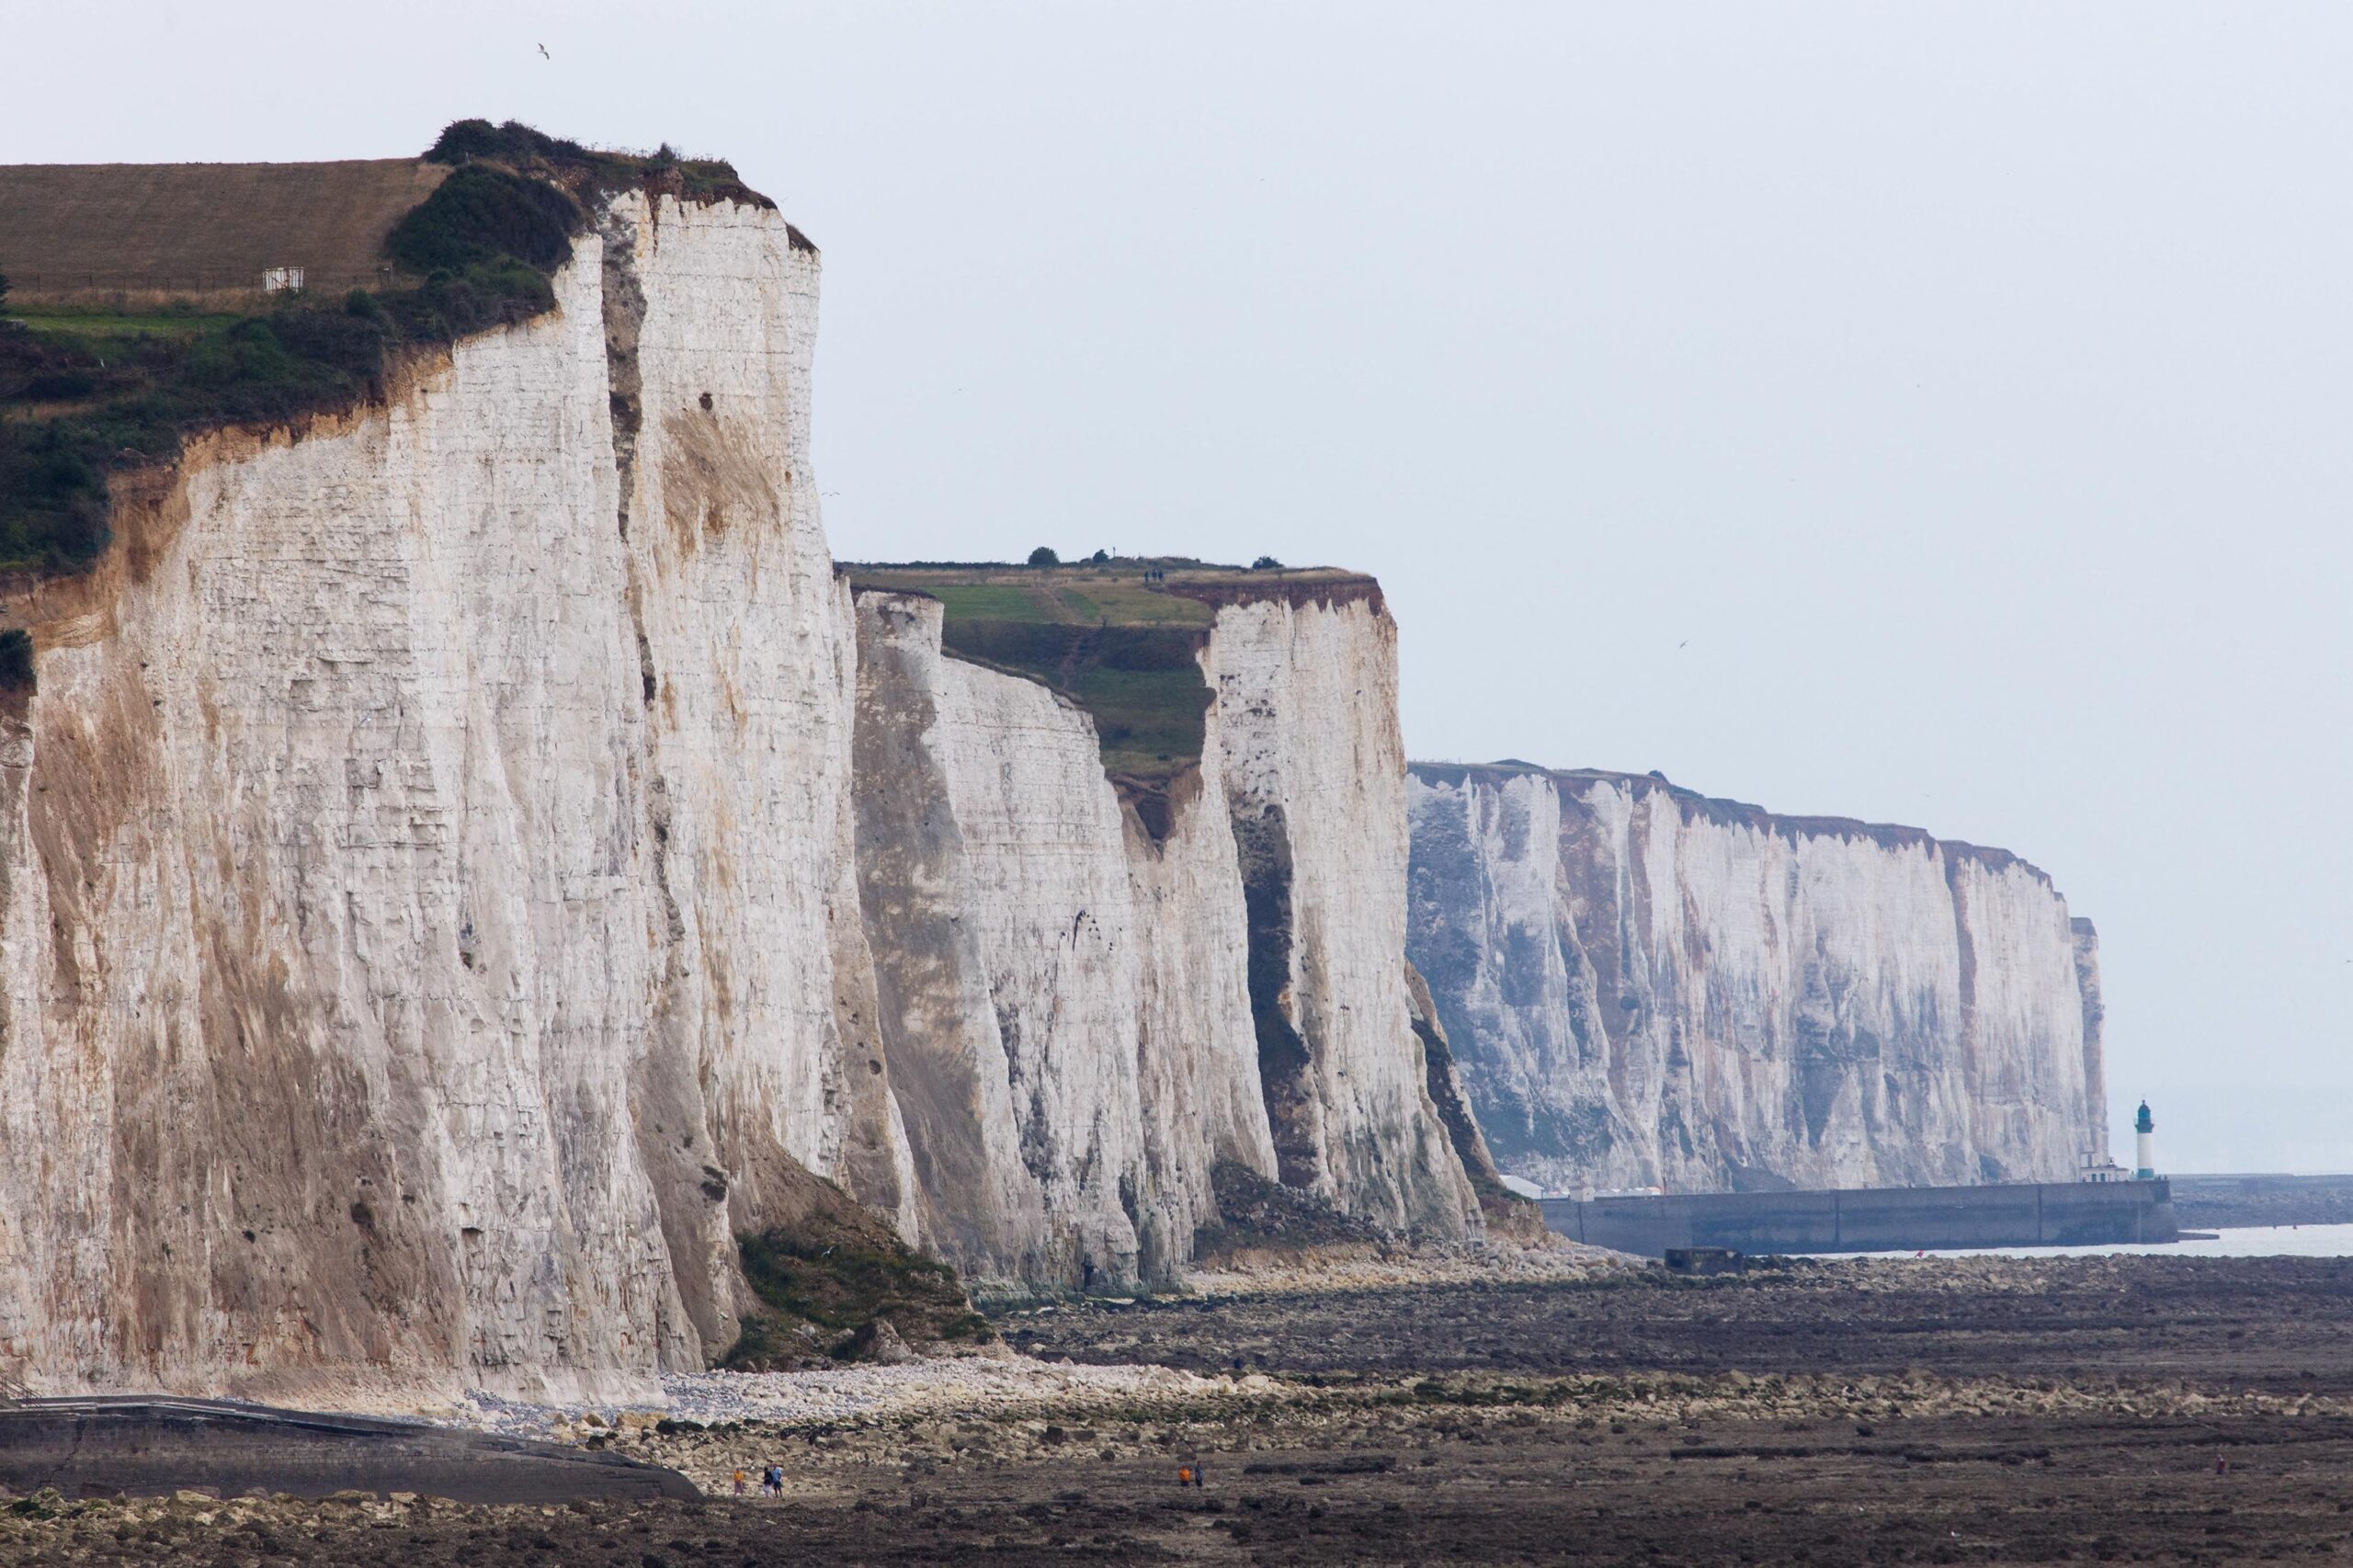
712, 477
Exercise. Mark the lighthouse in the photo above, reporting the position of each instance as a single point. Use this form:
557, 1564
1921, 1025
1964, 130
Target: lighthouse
2144, 1130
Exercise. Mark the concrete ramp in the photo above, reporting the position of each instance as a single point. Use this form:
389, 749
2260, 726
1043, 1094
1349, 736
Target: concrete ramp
145, 1447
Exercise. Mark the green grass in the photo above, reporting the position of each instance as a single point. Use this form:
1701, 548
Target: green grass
1125, 651
81, 323
1081, 596
1148, 722
994, 601
1132, 604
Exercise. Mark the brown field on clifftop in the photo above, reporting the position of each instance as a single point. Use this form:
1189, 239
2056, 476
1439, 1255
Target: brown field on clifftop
77, 228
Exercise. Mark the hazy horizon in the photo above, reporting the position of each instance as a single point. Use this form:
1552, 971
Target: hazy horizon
1928, 415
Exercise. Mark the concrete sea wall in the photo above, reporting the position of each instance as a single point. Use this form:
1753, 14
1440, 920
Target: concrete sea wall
1874, 1219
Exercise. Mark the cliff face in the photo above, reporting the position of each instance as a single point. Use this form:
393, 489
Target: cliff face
1314, 775
423, 864
468, 861
1643, 986
1067, 1002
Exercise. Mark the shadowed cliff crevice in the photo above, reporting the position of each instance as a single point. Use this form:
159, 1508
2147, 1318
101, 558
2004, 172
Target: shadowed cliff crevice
1286, 1070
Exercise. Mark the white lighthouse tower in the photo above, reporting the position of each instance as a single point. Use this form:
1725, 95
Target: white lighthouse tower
2144, 1141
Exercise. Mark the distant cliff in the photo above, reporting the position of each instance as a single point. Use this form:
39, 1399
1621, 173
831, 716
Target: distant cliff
1645, 987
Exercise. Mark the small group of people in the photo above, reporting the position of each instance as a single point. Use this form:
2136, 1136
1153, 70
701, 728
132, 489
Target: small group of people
771, 1482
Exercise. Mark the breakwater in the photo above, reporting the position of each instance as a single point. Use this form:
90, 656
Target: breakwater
1882, 1219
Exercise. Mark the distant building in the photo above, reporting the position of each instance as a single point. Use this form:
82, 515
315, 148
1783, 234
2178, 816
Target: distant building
2098, 1167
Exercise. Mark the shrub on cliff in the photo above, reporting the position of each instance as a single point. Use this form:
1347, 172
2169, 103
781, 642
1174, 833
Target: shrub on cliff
479, 215
15, 660
588, 171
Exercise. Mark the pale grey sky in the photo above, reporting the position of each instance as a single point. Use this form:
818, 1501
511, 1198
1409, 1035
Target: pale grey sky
1967, 385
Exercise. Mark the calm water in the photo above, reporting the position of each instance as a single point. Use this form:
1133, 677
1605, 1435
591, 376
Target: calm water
2261, 1241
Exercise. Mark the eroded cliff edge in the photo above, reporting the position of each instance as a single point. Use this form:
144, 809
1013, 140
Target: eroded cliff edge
1645, 987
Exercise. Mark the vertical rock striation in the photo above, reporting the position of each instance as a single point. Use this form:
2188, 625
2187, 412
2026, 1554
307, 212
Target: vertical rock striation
1314, 775
1644, 986
1083, 1020
421, 870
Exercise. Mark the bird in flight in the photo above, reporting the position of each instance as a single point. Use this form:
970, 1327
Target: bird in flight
543, 53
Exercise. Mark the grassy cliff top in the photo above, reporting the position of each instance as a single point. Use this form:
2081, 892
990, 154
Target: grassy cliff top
1120, 638
1123, 591
400, 255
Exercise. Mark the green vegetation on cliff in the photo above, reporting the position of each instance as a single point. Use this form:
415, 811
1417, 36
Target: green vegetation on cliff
1121, 638
1110, 637
828, 1278
88, 388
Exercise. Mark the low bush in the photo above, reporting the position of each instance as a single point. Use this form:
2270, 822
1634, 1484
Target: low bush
481, 214
15, 660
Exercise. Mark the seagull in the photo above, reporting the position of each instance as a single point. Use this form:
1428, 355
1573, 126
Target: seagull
543, 53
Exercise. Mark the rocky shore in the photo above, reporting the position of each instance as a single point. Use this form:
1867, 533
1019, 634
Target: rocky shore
1855, 1412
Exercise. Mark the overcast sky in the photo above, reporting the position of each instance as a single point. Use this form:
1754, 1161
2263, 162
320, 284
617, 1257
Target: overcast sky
1928, 412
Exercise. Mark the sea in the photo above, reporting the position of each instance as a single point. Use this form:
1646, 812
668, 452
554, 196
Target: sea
2253, 1240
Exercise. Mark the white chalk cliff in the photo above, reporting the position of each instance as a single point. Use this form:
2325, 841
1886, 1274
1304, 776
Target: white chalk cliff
427, 856
1644, 986
469, 859
1081, 1022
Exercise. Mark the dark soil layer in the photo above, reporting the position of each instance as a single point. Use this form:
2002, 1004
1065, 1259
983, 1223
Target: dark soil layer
2275, 1325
